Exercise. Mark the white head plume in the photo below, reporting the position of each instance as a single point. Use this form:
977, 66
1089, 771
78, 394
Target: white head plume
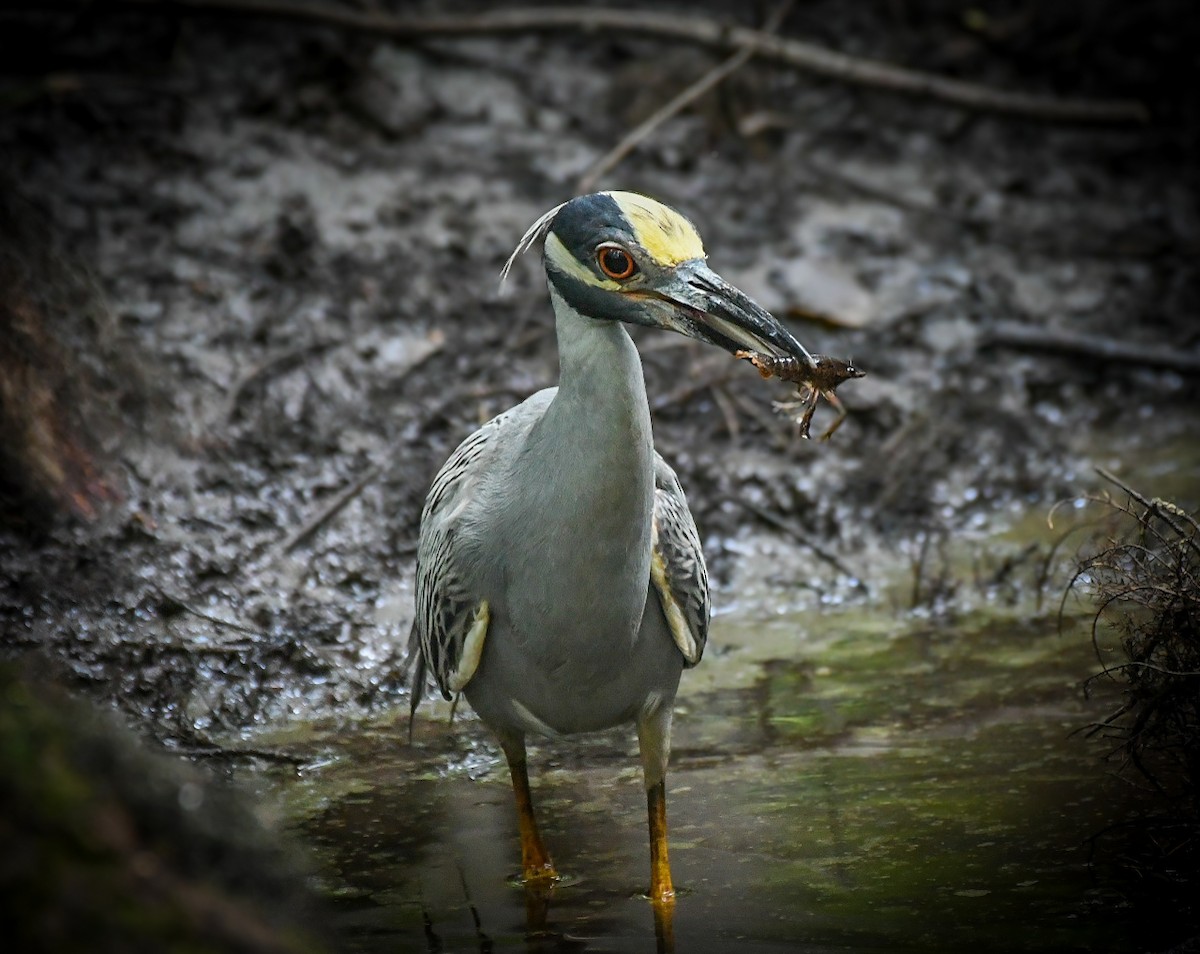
532, 234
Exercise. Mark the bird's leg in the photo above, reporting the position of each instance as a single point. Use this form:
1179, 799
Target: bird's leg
537, 905
535, 859
661, 889
654, 741
664, 928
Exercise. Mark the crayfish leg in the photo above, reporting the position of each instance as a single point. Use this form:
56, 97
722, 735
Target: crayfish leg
841, 414
810, 406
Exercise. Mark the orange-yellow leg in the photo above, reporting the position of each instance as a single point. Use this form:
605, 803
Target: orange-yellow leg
535, 859
661, 889
664, 928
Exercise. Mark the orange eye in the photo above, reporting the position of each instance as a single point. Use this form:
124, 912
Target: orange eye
615, 262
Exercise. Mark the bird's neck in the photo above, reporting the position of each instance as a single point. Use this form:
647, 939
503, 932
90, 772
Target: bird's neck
588, 473
601, 402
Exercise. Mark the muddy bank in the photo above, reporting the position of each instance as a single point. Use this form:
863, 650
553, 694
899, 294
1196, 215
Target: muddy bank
297, 231
111, 847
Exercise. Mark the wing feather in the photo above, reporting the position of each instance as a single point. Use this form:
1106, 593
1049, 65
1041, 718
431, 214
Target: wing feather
445, 605
678, 571
451, 616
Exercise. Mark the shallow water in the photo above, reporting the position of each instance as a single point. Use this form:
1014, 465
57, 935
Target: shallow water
878, 786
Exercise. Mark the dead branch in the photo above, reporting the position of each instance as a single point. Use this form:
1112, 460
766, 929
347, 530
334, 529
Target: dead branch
797, 54
676, 104
1166, 511
1092, 241
1010, 334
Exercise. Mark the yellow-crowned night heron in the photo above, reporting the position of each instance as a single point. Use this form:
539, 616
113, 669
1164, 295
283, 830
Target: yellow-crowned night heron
560, 582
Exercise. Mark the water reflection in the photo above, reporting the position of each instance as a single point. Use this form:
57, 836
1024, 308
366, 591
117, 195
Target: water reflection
915, 792
541, 933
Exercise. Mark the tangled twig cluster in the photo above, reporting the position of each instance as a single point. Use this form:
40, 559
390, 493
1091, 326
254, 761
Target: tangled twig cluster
1146, 584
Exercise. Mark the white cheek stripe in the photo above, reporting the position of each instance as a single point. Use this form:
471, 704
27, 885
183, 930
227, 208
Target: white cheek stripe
562, 260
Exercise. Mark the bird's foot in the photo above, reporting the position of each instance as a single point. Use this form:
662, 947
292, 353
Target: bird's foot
541, 872
660, 894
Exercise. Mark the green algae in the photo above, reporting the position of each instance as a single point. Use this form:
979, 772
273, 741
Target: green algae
851, 778
839, 782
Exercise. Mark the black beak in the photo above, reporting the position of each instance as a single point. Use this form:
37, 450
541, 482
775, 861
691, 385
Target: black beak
708, 308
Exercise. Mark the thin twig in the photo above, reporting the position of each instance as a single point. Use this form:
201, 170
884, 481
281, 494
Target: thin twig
728, 411
284, 361
918, 568
1043, 576
330, 510
173, 602
706, 32
1010, 334
754, 410
1138, 664
788, 527
677, 104
1156, 507
214, 751
700, 380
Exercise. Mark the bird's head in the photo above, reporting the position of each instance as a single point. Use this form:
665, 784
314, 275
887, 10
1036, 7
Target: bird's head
620, 256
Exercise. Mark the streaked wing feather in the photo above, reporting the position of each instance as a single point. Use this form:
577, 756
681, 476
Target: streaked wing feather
677, 542
446, 602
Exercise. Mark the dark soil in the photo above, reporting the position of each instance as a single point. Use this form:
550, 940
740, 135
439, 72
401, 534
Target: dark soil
110, 847
287, 240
